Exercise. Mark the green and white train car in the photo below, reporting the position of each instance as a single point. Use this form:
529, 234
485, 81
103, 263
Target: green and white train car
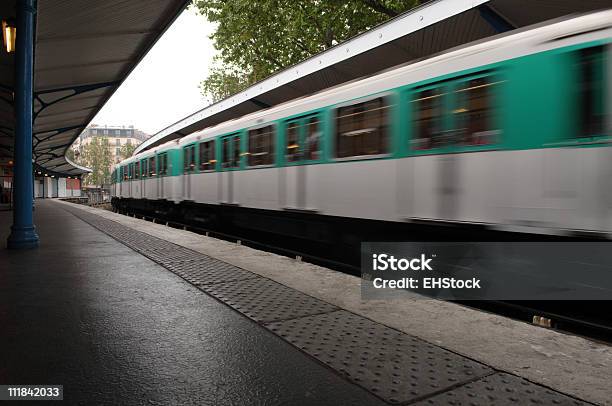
512, 133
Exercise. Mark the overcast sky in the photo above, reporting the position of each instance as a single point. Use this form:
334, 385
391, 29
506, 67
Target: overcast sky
164, 86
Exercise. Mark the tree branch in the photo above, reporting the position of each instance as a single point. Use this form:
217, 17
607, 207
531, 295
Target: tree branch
380, 7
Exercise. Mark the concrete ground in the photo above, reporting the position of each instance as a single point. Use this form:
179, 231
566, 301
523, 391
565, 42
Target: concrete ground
569, 364
114, 328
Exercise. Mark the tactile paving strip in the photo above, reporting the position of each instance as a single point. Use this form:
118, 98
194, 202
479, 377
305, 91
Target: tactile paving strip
395, 366
500, 390
205, 272
195, 267
264, 300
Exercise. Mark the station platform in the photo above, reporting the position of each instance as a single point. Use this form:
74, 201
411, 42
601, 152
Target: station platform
119, 310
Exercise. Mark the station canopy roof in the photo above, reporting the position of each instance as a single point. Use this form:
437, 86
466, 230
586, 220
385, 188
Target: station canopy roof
432, 28
84, 49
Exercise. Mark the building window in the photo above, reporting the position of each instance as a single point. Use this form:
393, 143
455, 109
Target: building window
117, 142
117, 151
361, 129
427, 108
475, 113
261, 146
117, 132
207, 155
105, 132
129, 141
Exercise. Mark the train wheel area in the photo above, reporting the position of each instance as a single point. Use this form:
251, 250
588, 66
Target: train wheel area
414, 350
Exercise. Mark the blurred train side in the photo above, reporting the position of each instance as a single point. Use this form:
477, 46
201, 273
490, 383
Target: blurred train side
544, 166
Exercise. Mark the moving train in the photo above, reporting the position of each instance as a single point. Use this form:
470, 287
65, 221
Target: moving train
511, 134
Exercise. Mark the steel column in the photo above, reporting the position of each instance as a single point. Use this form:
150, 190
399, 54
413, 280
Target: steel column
23, 232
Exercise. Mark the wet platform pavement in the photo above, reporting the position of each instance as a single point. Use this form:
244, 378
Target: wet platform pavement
119, 316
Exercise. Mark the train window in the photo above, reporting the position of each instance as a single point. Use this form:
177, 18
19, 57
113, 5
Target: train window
189, 162
152, 166
143, 168
293, 153
226, 153
313, 134
261, 146
428, 119
591, 64
207, 155
163, 164
230, 151
475, 112
236, 152
302, 140
362, 129
137, 170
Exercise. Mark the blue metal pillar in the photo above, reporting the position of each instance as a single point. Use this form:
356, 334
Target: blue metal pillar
23, 232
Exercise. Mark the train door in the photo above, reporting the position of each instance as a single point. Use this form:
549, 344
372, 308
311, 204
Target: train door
131, 179
143, 178
162, 166
137, 182
230, 153
124, 181
189, 166
302, 147
121, 181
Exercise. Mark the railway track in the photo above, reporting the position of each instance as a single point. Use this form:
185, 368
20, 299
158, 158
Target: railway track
588, 319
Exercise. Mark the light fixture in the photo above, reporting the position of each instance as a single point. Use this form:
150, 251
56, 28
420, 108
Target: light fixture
9, 33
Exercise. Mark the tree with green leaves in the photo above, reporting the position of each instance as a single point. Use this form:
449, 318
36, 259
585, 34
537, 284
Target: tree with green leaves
71, 155
257, 38
97, 156
127, 150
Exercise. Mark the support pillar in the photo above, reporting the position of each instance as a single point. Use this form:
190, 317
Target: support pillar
23, 232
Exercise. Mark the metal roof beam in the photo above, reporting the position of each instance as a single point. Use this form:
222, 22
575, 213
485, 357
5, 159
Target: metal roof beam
84, 65
42, 40
56, 131
75, 90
